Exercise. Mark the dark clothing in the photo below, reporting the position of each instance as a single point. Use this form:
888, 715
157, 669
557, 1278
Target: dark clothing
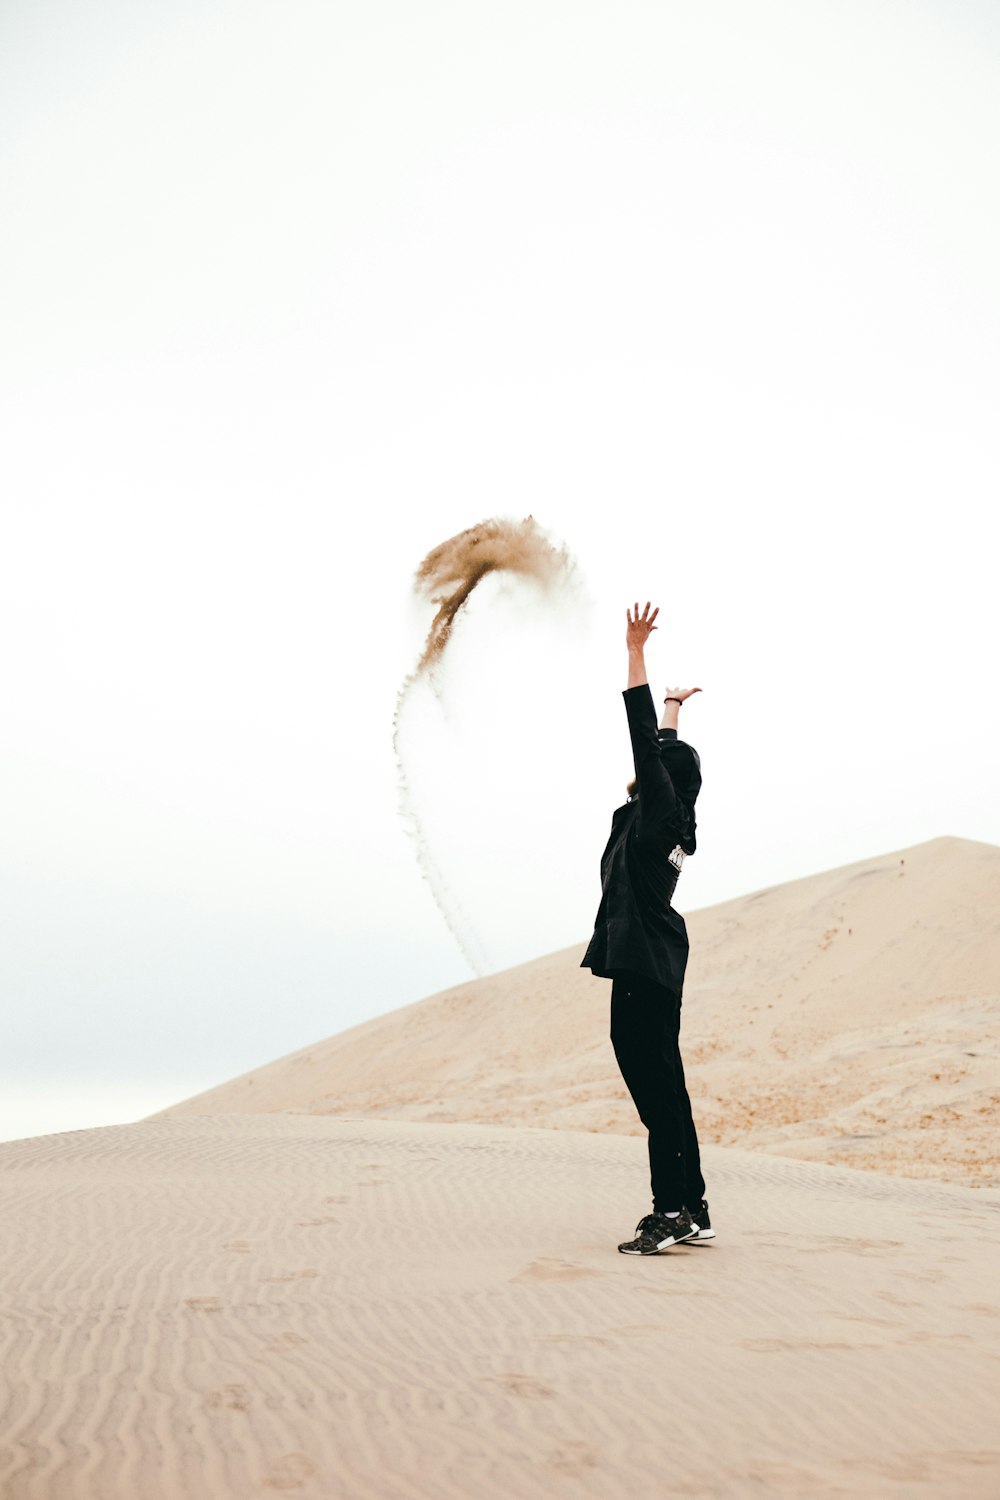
645, 1027
636, 927
641, 944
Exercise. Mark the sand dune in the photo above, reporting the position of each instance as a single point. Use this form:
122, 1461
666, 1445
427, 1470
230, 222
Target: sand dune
853, 1016
348, 1309
266, 1289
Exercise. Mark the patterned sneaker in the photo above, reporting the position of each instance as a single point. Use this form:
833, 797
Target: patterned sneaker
656, 1232
702, 1223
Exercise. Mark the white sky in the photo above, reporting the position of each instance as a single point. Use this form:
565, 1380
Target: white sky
291, 292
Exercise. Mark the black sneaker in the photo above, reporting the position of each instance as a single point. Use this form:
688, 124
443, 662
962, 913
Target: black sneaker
656, 1232
703, 1224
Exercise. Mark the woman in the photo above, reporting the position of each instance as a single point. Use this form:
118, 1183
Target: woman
640, 943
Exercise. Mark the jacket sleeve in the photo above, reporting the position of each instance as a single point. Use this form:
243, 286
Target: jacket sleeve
657, 797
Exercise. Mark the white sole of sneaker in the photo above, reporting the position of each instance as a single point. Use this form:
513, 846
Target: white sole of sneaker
704, 1235
682, 1239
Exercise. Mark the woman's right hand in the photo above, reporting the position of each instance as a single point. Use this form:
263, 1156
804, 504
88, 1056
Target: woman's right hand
639, 629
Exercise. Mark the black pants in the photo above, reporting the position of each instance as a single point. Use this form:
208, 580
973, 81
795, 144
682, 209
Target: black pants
645, 1031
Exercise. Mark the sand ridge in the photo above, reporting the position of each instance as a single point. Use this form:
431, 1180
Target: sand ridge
243, 1305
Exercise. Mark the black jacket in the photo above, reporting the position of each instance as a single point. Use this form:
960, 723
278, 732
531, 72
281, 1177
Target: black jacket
636, 928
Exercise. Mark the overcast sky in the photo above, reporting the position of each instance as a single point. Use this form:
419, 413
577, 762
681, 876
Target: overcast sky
291, 292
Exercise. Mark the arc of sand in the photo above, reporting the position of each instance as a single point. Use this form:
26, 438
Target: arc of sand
448, 576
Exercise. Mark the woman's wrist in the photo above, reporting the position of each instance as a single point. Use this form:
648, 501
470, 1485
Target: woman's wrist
671, 713
636, 667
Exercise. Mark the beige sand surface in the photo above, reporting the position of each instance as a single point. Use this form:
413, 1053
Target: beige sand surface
216, 1308
853, 1016
268, 1289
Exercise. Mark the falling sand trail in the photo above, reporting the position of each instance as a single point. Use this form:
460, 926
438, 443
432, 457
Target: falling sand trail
448, 577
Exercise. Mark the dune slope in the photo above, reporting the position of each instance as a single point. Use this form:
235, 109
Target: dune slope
850, 1016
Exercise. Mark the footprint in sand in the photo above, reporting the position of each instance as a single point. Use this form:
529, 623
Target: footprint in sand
573, 1456
285, 1341
231, 1397
238, 1247
869, 1321
553, 1270
519, 1385
312, 1223
203, 1304
305, 1275
898, 1301
290, 1472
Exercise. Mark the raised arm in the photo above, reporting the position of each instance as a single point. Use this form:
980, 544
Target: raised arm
656, 789
637, 633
